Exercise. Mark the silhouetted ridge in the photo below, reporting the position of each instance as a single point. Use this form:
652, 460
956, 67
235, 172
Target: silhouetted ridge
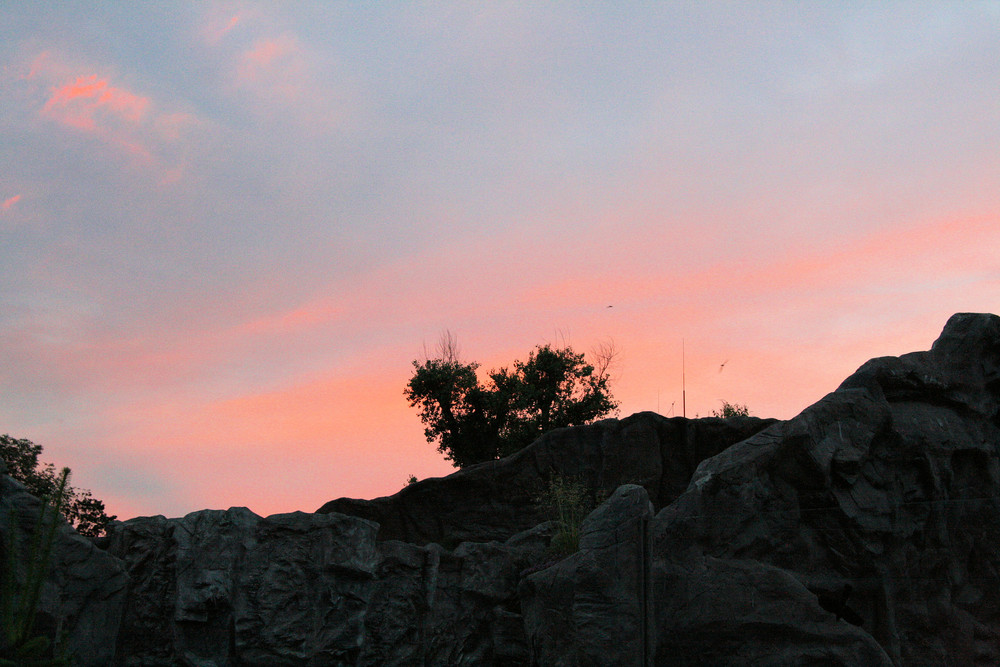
739, 541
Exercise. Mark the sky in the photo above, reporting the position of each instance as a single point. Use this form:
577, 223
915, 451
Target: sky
227, 229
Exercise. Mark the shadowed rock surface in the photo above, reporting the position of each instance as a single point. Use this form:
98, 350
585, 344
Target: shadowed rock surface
494, 500
889, 484
232, 588
864, 531
84, 592
594, 607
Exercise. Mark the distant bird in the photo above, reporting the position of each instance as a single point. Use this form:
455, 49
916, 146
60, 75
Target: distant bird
723, 365
836, 603
610, 306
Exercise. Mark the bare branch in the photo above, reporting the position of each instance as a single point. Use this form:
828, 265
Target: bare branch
606, 356
448, 349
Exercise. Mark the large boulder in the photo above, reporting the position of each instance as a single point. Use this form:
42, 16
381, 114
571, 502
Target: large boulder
83, 594
231, 588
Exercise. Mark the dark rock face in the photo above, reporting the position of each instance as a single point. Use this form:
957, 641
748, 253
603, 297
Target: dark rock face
595, 607
437, 607
495, 500
231, 588
84, 592
865, 531
889, 485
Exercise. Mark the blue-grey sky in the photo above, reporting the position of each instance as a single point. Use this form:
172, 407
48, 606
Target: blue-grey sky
226, 229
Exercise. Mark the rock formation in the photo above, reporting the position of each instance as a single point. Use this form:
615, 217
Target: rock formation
866, 530
889, 485
494, 500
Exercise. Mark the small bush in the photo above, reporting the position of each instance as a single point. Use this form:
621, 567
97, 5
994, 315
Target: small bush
731, 410
571, 500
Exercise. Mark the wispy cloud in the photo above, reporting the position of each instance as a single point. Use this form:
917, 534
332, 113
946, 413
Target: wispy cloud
79, 102
92, 105
9, 202
287, 81
92, 101
274, 68
220, 24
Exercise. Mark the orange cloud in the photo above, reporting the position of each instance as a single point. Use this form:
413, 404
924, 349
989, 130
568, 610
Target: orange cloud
9, 202
297, 446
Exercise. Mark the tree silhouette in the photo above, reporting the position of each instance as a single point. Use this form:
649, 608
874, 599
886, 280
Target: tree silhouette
79, 507
473, 421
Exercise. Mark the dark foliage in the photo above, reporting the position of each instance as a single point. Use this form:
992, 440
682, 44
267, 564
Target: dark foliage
81, 509
731, 410
473, 421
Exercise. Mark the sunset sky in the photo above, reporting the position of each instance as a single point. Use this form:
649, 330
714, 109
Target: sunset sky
227, 229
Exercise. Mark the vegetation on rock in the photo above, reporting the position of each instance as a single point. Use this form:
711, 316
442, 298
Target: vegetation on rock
571, 500
731, 410
19, 598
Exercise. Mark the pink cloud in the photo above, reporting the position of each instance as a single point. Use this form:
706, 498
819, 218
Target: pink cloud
226, 28
87, 100
9, 202
266, 51
898, 256
70, 95
297, 446
280, 74
305, 316
273, 63
219, 24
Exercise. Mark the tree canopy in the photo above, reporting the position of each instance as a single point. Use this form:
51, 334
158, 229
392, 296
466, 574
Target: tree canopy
473, 421
81, 509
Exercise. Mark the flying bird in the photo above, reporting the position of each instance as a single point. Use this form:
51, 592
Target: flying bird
723, 365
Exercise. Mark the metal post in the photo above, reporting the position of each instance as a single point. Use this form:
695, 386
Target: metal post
684, 409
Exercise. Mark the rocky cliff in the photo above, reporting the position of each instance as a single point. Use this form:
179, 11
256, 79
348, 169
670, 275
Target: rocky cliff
866, 530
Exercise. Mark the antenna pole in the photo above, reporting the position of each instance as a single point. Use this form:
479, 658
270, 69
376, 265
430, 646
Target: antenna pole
684, 403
